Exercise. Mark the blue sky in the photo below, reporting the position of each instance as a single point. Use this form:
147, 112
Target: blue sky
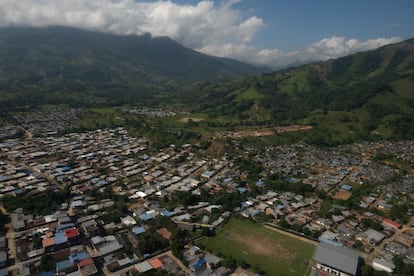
271, 32
297, 23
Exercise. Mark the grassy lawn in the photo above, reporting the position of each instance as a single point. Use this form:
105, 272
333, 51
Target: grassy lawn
249, 94
274, 253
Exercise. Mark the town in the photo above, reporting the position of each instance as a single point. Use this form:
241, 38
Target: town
122, 207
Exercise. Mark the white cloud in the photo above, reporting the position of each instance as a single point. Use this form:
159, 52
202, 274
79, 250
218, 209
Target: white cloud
217, 29
192, 25
324, 49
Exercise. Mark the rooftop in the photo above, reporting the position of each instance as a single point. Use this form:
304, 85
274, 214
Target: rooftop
338, 258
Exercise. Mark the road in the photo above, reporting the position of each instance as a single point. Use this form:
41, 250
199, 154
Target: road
11, 244
379, 247
169, 253
315, 243
344, 180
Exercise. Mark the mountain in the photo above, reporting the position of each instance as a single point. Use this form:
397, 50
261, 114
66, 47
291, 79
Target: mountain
58, 64
365, 95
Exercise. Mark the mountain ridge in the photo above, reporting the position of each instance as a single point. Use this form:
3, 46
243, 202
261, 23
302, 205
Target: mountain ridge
53, 59
367, 94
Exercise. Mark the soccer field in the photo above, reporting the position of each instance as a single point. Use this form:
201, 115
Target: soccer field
269, 251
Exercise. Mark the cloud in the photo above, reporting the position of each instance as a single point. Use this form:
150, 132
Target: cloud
192, 25
213, 28
324, 49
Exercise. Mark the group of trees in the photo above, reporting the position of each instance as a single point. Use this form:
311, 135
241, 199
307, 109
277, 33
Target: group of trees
41, 204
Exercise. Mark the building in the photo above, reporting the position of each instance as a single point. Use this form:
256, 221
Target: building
391, 224
333, 260
383, 265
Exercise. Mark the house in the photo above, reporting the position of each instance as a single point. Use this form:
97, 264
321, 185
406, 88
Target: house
138, 230
207, 174
212, 261
3, 259
128, 221
87, 267
18, 221
115, 264
90, 228
383, 265
199, 266
370, 235
391, 224
71, 234
333, 260
106, 245
155, 263
143, 267
164, 233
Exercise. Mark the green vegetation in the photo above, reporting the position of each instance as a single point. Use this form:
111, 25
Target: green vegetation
251, 245
3, 221
41, 204
364, 96
84, 68
151, 242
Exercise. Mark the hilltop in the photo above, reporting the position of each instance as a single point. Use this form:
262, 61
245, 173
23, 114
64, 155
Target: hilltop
365, 95
60, 64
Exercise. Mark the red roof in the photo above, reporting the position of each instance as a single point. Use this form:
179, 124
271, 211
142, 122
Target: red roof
46, 242
155, 263
392, 223
71, 233
85, 262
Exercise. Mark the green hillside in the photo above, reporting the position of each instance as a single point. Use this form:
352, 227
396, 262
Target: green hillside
367, 95
59, 64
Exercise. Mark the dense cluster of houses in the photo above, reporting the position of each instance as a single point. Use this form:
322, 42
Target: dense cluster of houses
151, 112
326, 168
81, 242
47, 121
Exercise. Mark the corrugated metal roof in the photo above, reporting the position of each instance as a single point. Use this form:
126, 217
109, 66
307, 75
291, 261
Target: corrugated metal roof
338, 258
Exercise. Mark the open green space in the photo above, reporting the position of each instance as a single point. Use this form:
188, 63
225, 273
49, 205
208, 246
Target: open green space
261, 248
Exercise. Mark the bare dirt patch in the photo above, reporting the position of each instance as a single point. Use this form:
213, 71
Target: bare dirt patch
341, 194
265, 131
187, 119
263, 246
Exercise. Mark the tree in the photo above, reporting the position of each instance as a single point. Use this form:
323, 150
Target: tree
230, 262
46, 263
151, 242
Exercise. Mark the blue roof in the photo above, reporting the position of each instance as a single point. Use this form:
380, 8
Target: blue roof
65, 226
227, 180
46, 273
260, 183
66, 169
346, 187
18, 191
207, 173
63, 265
4, 177
102, 182
331, 242
138, 230
60, 238
242, 190
200, 264
145, 217
75, 258
166, 213
27, 172
244, 204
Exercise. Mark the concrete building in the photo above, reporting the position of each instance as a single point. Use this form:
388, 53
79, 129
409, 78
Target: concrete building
383, 265
335, 261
